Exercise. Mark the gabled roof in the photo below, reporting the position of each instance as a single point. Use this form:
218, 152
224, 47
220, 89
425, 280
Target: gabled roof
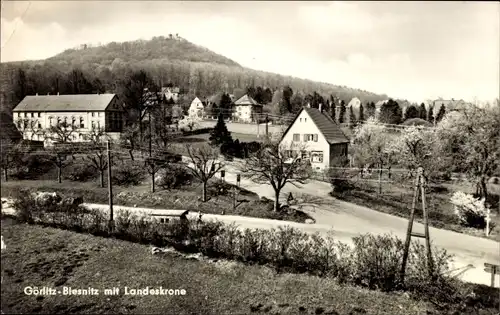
325, 124
246, 100
63, 103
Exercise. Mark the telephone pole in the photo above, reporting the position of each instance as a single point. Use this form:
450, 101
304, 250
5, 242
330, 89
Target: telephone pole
267, 125
110, 188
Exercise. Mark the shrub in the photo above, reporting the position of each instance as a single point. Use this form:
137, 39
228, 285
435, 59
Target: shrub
80, 173
220, 188
470, 211
33, 165
127, 174
175, 176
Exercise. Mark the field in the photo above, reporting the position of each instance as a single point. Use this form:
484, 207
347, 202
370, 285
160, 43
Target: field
186, 198
47, 257
396, 199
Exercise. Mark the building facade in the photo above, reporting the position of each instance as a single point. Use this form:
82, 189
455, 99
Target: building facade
246, 109
196, 109
35, 115
318, 137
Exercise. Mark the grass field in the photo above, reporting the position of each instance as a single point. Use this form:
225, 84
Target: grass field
186, 198
396, 199
47, 257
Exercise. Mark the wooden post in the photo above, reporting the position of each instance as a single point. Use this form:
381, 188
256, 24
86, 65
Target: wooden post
258, 121
493, 272
267, 126
110, 188
488, 219
409, 229
430, 263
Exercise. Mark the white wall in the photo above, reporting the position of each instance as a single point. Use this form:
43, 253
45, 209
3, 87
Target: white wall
243, 113
305, 125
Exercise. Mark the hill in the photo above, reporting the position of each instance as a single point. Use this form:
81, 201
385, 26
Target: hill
197, 70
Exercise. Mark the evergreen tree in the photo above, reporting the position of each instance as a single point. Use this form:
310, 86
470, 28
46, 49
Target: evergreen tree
342, 112
430, 115
391, 113
361, 113
440, 114
422, 112
220, 134
352, 118
411, 112
370, 110
332, 111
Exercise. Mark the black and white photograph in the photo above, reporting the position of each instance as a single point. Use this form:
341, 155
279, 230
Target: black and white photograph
250, 157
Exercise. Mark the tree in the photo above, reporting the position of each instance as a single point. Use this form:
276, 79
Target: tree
297, 102
225, 105
11, 156
361, 113
342, 112
440, 114
471, 142
61, 135
97, 151
370, 110
139, 93
390, 113
278, 166
352, 118
220, 135
422, 112
333, 107
411, 112
430, 115
203, 164
370, 146
130, 138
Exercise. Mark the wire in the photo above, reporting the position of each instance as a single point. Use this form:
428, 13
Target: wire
15, 26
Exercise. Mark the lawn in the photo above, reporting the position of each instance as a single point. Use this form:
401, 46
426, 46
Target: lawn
396, 199
47, 257
187, 198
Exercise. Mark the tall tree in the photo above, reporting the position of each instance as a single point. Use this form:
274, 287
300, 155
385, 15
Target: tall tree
297, 102
361, 113
278, 166
220, 134
430, 115
352, 118
390, 113
203, 164
370, 110
342, 112
97, 151
471, 141
61, 135
411, 112
422, 112
441, 113
225, 105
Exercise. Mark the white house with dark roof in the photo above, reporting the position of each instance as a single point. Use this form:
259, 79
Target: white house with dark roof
196, 109
318, 135
245, 109
83, 111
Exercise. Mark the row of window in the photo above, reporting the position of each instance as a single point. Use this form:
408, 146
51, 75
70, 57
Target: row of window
38, 114
307, 137
314, 156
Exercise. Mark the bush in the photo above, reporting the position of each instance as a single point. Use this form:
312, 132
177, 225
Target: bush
33, 165
128, 174
470, 211
237, 149
220, 188
80, 173
175, 176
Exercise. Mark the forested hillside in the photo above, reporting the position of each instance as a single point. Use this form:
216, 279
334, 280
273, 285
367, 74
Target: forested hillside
197, 70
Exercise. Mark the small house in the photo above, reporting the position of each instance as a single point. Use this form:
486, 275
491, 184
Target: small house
246, 109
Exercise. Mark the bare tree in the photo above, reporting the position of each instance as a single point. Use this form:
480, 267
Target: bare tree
278, 165
130, 138
203, 164
10, 157
97, 151
61, 134
27, 127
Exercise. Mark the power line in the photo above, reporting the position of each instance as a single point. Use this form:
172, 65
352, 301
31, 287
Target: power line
16, 24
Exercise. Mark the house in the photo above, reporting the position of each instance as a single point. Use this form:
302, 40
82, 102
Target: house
35, 114
320, 138
246, 109
196, 109
449, 105
171, 93
355, 103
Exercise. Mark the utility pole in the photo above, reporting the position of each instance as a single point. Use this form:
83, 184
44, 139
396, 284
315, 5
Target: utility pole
110, 188
258, 121
267, 125
150, 133
419, 187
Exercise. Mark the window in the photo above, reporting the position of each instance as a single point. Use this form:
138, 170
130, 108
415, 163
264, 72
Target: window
296, 137
25, 114
82, 125
32, 114
98, 114
65, 120
93, 124
39, 125
50, 121
58, 120
92, 114
305, 119
315, 137
73, 121
317, 156
39, 115
300, 119
304, 154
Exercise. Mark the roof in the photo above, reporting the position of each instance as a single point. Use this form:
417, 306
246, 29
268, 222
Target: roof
246, 100
170, 89
61, 103
329, 128
449, 104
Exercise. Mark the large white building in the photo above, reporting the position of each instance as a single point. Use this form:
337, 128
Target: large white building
34, 115
196, 109
318, 136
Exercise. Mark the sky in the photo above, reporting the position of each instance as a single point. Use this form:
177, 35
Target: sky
411, 50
